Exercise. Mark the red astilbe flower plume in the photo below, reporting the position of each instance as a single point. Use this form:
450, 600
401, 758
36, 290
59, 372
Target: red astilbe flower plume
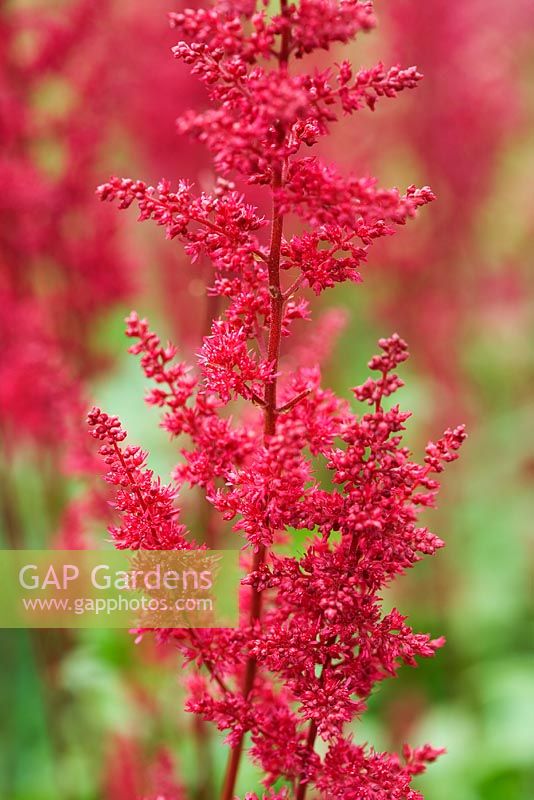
313, 639
62, 266
458, 133
149, 518
55, 246
131, 774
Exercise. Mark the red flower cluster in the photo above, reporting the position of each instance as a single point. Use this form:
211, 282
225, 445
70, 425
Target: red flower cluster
149, 516
457, 133
66, 91
313, 640
60, 265
132, 773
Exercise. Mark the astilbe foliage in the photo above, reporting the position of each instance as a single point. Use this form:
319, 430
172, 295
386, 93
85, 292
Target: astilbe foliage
313, 640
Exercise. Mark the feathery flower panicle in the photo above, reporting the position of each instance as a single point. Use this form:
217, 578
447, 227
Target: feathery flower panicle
456, 132
313, 640
149, 517
175, 383
130, 772
62, 266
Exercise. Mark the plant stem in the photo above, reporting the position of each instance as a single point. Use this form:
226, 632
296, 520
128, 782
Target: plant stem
269, 427
310, 743
270, 409
302, 785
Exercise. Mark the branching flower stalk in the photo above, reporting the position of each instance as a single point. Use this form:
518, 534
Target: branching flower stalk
313, 639
270, 410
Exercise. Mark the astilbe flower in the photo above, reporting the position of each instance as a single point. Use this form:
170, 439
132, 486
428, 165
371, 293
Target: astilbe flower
61, 265
63, 262
131, 774
458, 132
52, 238
313, 640
149, 518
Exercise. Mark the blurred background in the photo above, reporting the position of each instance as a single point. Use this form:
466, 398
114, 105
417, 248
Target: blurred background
88, 88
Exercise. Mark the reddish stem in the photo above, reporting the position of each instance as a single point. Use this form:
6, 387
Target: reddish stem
302, 785
270, 412
310, 744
